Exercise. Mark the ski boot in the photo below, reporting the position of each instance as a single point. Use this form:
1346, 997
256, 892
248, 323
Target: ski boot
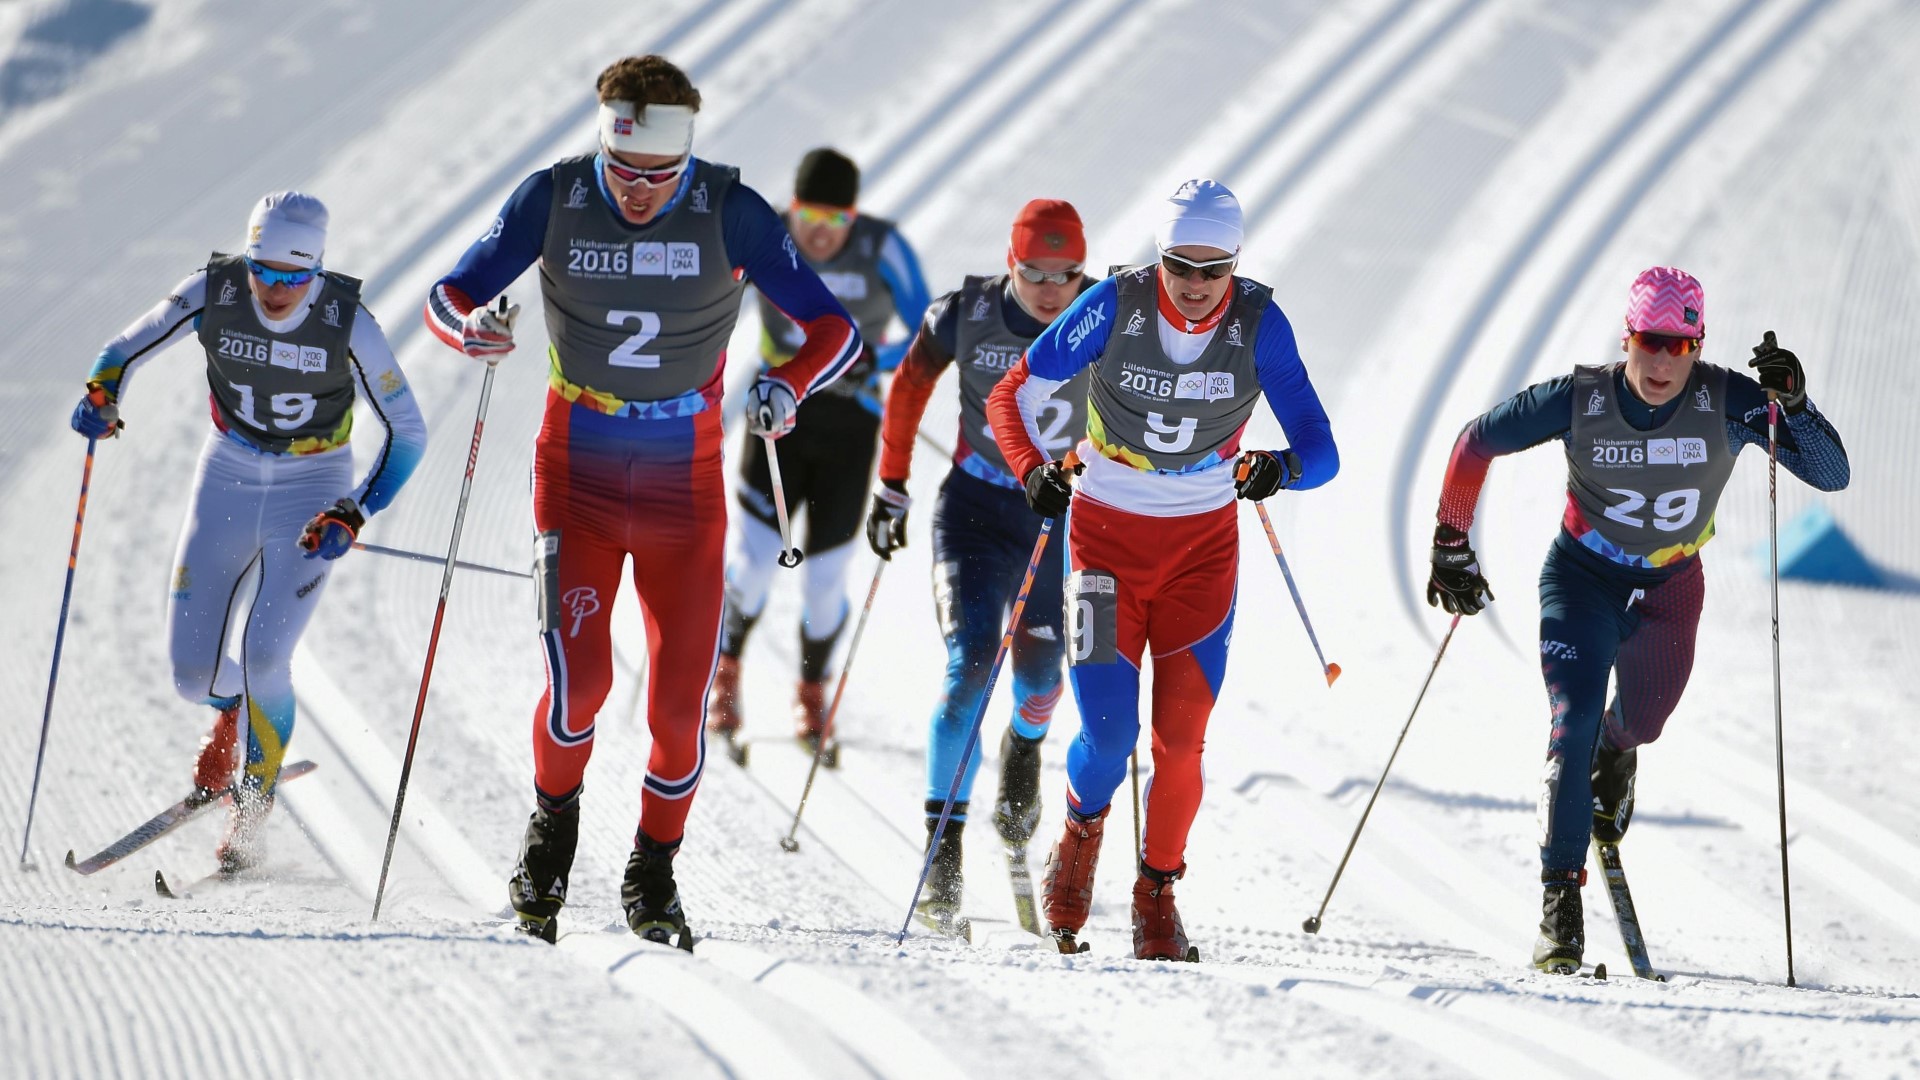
244, 846
538, 889
213, 770
1157, 931
1613, 772
810, 721
1067, 888
1563, 938
649, 896
723, 707
1017, 813
939, 906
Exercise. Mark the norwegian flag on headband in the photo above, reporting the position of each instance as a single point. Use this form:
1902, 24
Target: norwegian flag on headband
622, 125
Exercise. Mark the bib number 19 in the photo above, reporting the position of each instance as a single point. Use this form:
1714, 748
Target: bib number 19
290, 411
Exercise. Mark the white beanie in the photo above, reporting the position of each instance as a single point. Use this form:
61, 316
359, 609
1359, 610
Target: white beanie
1203, 213
288, 227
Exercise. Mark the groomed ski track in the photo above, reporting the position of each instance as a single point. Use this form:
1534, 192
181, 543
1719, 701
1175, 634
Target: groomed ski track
1448, 197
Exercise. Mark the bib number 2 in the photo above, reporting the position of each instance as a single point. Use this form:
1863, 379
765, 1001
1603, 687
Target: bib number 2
1054, 436
627, 354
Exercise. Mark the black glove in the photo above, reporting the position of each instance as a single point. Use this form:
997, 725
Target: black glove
332, 531
887, 521
1779, 371
1456, 584
1048, 489
1260, 473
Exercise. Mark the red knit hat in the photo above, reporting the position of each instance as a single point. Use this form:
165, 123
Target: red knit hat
1049, 229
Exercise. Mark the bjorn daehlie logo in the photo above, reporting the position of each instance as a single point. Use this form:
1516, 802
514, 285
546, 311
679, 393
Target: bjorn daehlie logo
581, 602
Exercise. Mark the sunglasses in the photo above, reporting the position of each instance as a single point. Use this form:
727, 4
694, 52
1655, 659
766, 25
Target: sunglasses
1041, 277
822, 215
655, 177
269, 276
1212, 269
1671, 344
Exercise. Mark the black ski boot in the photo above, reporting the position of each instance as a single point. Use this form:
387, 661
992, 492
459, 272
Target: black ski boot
1563, 938
648, 894
1017, 813
939, 906
538, 888
1613, 772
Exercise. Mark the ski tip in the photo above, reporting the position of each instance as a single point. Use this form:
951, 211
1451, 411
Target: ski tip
160, 886
1311, 925
1599, 971
1193, 954
1333, 672
72, 863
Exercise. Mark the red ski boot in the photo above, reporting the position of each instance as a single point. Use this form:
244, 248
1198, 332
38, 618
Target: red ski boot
1157, 933
213, 772
1068, 885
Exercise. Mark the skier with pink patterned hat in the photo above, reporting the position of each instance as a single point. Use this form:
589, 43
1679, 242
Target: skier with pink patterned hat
1650, 443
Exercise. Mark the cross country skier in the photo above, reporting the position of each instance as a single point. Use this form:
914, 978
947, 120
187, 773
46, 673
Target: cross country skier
289, 347
1180, 352
982, 530
642, 250
825, 463
1650, 444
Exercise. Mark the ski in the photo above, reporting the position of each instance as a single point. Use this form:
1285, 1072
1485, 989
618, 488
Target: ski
944, 919
168, 820
1024, 904
1623, 911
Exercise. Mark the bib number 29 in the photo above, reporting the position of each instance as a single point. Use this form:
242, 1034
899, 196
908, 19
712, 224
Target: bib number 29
1672, 511
290, 411
627, 354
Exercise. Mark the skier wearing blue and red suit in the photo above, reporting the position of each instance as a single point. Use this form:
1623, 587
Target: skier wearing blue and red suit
644, 250
1650, 444
1181, 353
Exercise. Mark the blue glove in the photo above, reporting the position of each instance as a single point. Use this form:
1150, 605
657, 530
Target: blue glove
330, 534
96, 417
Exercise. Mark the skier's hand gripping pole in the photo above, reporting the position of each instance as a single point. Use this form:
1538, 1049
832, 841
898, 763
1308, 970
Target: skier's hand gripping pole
1312, 923
439, 615
1331, 671
789, 842
59, 640
1773, 559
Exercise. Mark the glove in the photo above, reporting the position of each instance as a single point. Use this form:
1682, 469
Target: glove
1456, 584
1260, 473
97, 417
887, 521
1048, 490
1779, 371
487, 332
771, 407
330, 534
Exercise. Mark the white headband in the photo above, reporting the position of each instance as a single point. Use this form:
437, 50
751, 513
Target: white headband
662, 129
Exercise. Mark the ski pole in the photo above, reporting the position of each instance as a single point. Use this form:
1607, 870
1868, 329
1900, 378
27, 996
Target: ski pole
1779, 743
1312, 924
1332, 671
59, 640
1133, 759
433, 639
790, 556
979, 714
437, 560
788, 842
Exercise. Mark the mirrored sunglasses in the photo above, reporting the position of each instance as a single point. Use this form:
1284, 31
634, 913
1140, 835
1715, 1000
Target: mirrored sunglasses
270, 276
1671, 344
839, 218
658, 176
1212, 269
1042, 277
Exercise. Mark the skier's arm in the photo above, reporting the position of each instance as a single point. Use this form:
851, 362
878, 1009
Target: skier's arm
494, 261
1809, 446
900, 269
176, 317
1072, 342
928, 355
383, 388
1540, 413
1290, 394
759, 245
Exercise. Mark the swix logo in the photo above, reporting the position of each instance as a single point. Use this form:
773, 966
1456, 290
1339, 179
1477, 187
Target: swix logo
1136, 324
1701, 402
577, 196
228, 294
331, 313
1596, 404
581, 602
793, 253
1094, 317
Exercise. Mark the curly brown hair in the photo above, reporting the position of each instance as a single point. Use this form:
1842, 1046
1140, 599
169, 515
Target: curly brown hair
647, 80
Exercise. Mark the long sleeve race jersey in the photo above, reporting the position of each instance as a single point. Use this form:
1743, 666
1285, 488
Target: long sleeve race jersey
1167, 405
283, 386
1642, 480
639, 315
876, 276
984, 323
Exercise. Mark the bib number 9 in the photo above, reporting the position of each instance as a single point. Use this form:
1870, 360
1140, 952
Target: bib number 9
627, 354
1672, 511
290, 411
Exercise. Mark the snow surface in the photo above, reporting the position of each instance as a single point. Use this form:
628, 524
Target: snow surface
1449, 197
